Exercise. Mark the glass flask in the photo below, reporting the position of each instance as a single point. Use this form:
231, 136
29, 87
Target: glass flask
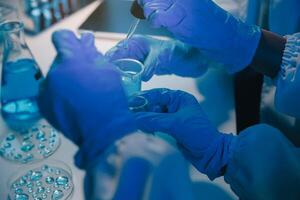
51, 180
21, 75
131, 74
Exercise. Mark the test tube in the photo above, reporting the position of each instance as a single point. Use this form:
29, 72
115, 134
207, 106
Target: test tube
131, 72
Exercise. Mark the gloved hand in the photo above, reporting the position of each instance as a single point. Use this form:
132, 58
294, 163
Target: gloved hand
162, 57
206, 26
179, 114
82, 97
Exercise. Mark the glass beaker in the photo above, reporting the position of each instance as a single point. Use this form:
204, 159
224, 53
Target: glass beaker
30, 145
21, 75
131, 72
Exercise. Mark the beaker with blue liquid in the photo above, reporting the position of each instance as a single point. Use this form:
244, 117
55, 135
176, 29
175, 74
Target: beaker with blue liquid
21, 75
131, 74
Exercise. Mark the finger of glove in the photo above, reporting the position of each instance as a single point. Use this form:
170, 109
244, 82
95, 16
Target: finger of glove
127, 49
89, 48
88, 45
87, 40
163, 63
133, 179
151, 6
165, 16
66, 44
155, 122
151, 63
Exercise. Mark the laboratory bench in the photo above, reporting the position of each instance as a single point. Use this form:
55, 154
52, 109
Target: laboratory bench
217, 102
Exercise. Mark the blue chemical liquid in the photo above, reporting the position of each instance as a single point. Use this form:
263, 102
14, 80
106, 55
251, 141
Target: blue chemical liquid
131, 83
20, 86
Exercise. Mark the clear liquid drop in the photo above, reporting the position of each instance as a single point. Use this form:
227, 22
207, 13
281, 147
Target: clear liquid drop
35, 176
62, 180
57, 194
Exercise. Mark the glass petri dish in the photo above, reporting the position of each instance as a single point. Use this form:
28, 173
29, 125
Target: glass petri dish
137, 103
49, 181
30, 145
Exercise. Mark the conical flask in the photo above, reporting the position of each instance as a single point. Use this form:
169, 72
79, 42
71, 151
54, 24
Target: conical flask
21, 75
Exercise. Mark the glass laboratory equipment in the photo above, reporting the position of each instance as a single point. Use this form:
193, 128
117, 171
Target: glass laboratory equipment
137, 103
131, 72
29, 145
29, 139
21, 75
49, 181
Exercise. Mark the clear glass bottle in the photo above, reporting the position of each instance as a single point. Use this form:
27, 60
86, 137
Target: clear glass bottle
7, 13
21, 75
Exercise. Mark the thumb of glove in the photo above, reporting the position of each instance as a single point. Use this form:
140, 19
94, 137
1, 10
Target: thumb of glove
154, 122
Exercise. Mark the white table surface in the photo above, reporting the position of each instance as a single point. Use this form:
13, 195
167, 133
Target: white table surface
218, 102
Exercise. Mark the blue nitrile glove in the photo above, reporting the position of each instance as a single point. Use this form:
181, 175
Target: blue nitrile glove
162, 57
179, 114
84, 99
208, 27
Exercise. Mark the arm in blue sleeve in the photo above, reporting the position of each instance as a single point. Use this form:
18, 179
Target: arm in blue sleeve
264, 165
287, 95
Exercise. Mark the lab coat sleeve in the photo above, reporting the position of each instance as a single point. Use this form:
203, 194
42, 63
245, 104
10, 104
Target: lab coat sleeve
287, 95
264, 165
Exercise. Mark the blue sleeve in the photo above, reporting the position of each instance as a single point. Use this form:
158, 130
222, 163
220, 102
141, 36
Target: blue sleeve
264, 165
287, 95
